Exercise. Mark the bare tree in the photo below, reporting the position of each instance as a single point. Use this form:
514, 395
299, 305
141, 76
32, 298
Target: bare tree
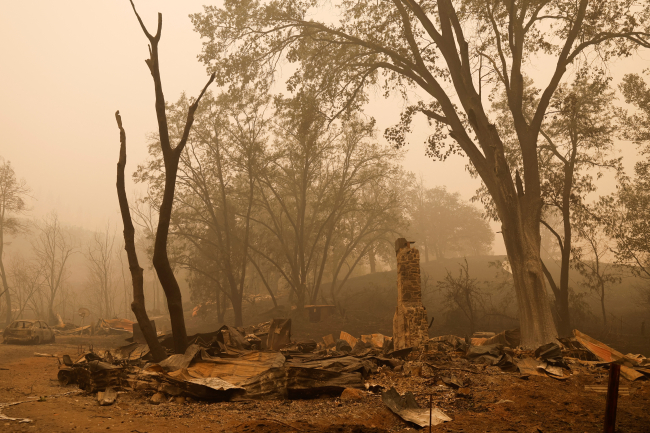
590, 258
27, 280
171, 156
52, 247
577, 148
463, 293
127, 298
100, 261
145, 217
12, 202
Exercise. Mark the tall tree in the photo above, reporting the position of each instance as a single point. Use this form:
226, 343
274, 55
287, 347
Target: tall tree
100, 257
446, 225
171, 156
317, 177
575, 149
216, 186
27, 280
591, 256
375, 214
626, 213
53, 247
13, 192
145, 217
450, 50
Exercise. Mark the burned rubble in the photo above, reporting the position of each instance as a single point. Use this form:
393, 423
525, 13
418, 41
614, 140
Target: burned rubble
227, 365
424, 381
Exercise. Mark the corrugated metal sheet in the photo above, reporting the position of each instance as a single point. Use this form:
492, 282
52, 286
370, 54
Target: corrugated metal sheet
601, 350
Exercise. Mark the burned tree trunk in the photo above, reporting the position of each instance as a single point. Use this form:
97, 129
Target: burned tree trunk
137, 305
171, 157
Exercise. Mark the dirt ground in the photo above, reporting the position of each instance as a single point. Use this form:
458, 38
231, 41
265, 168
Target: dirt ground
498, 402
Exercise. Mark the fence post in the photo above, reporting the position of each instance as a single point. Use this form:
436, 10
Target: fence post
612, 397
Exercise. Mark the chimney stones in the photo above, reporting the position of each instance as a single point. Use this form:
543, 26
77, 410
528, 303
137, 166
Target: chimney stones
410, 321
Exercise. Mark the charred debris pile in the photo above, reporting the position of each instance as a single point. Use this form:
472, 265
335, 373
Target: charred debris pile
263, 362
260, 362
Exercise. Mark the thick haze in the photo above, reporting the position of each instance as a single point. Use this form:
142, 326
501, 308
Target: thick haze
68, 65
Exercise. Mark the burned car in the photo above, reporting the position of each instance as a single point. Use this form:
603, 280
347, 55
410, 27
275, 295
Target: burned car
28, 331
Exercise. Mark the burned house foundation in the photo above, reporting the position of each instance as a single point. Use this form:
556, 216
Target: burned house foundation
410, 321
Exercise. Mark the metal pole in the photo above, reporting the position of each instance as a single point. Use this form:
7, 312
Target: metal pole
430, 411
612, 397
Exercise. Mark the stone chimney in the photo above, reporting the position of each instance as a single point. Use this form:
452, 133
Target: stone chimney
410, 327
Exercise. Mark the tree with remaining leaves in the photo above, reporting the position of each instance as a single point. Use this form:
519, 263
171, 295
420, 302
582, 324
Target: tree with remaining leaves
445, 225
575, 149
452, 51
626, 213
171, 156
318, 179
13, 192
216, 186
375, 215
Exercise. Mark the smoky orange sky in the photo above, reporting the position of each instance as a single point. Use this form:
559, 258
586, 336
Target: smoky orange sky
67, 65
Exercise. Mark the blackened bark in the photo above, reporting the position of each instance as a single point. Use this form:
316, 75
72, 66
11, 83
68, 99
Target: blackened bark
138, 305
171, 157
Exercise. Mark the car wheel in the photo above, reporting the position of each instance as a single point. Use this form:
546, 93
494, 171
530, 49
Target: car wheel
37, 340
